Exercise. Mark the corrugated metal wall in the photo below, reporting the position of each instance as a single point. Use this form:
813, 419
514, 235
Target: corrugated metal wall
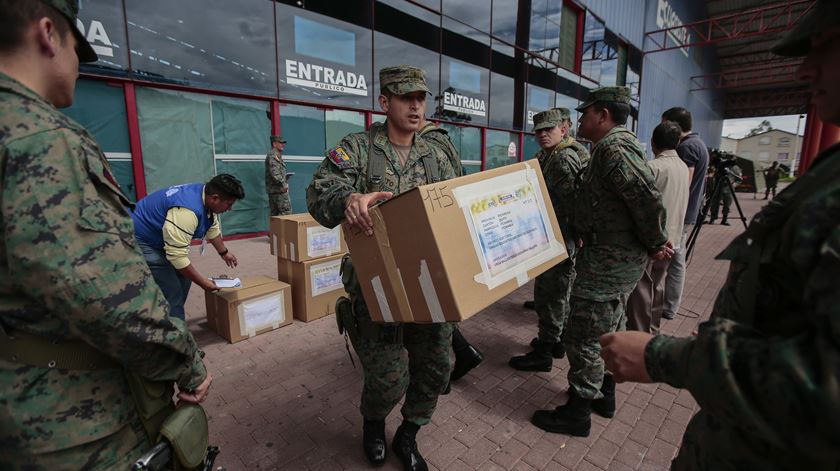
666, 76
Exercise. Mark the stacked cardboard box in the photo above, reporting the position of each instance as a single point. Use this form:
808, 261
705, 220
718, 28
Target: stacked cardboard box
260, 305
308, 258
445, 251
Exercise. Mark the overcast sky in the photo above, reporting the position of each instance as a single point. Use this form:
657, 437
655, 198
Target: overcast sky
738, 128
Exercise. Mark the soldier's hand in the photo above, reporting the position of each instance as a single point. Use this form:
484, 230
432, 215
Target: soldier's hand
624, 355
230, 259
663, 253
356, 209
200, 393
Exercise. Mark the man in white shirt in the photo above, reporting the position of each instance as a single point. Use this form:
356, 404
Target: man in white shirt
645, 304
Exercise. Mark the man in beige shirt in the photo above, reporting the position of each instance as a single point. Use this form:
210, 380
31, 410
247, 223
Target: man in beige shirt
644, 306
167, 221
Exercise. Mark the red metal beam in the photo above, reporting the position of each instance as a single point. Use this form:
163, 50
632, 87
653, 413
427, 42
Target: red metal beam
134, 140
781, 72
757, 22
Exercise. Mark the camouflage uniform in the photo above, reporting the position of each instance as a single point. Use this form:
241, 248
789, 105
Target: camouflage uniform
437, 136
724, 194
275, 181
765, 368
73, 274
388, 373
619, 216
560, 166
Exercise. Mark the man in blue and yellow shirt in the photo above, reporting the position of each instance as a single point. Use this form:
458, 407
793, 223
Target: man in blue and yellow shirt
167, 221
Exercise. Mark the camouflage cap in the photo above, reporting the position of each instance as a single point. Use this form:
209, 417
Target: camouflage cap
550, 118
277, 138
615, 94
822, 16
70, 10
402, 79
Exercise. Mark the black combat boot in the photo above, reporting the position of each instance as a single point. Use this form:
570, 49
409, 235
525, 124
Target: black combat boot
467, 357
529, 305
572, 418
405, 447
605, 407
538, 359
373, 441
557, 352
724, 222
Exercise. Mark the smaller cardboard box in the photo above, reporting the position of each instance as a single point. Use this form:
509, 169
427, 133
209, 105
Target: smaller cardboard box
316, 285
443, 252
211, 299
241, 313
299, 237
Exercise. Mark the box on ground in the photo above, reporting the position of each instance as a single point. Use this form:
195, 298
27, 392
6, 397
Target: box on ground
262, 304
445, 251
316, 285
299, 237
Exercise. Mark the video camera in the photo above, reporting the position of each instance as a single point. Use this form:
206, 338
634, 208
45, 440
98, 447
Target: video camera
720, 160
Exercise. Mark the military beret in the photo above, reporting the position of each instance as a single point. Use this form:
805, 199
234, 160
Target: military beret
70, 10
550, 118
402, 79
823, 15
614, 94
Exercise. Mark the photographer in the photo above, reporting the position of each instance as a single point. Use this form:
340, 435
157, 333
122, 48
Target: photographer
729, 173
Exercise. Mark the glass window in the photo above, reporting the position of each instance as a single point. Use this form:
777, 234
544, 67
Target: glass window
764, 140
545, 29
431, 4
502, 148
208, 43
784, 142
614, 62
530, 147
502, 86
177, 137
100, 108
746, 155
568, 37
634, 79
565, 101
468, 142
594, 48
307, 125
782, 156
764, 156
539, 99
465, 80
241, 128
504, 20
475, 13
323, 59
340, 123
407, 34
103, 25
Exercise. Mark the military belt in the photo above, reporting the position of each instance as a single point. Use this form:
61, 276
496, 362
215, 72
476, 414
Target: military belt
610, 238
34, 350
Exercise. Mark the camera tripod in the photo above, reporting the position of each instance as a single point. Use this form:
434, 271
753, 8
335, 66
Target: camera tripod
721, 178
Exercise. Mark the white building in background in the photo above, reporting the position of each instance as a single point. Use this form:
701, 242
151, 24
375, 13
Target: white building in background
767, 147
728, 144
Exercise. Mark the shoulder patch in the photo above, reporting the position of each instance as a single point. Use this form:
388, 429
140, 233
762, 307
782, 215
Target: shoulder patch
339, 157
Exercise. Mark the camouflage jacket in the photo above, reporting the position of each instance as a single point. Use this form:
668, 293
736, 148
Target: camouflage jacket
344, 171
619, 215
440, 137
72, 270
275, 173
765, 369
561, 167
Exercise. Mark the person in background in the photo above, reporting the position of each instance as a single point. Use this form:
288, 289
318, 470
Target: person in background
693, 151
771, 179
276, 183
765, 368
644, 307
168, 220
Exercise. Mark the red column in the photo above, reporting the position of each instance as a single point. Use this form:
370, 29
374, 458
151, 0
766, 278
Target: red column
134, 140
275, 117
483, 147
830, 136
804, 148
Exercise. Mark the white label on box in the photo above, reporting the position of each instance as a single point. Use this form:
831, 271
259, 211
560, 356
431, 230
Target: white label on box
321, 241
292, 254
325, 277
509, 225
265, 311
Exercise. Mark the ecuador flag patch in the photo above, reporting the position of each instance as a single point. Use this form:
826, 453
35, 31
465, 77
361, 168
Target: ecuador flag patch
340, 158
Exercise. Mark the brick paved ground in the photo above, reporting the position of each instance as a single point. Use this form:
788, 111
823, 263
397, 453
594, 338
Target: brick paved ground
289, 399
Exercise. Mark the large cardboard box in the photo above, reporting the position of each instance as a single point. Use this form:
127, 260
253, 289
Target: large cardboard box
299, 237
316, 285
445, 251
260, 305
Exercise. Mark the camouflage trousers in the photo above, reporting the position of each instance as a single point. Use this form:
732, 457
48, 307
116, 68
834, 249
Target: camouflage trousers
279, 204
551, 299
724, 198
418, 368
114, 452
588, 320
